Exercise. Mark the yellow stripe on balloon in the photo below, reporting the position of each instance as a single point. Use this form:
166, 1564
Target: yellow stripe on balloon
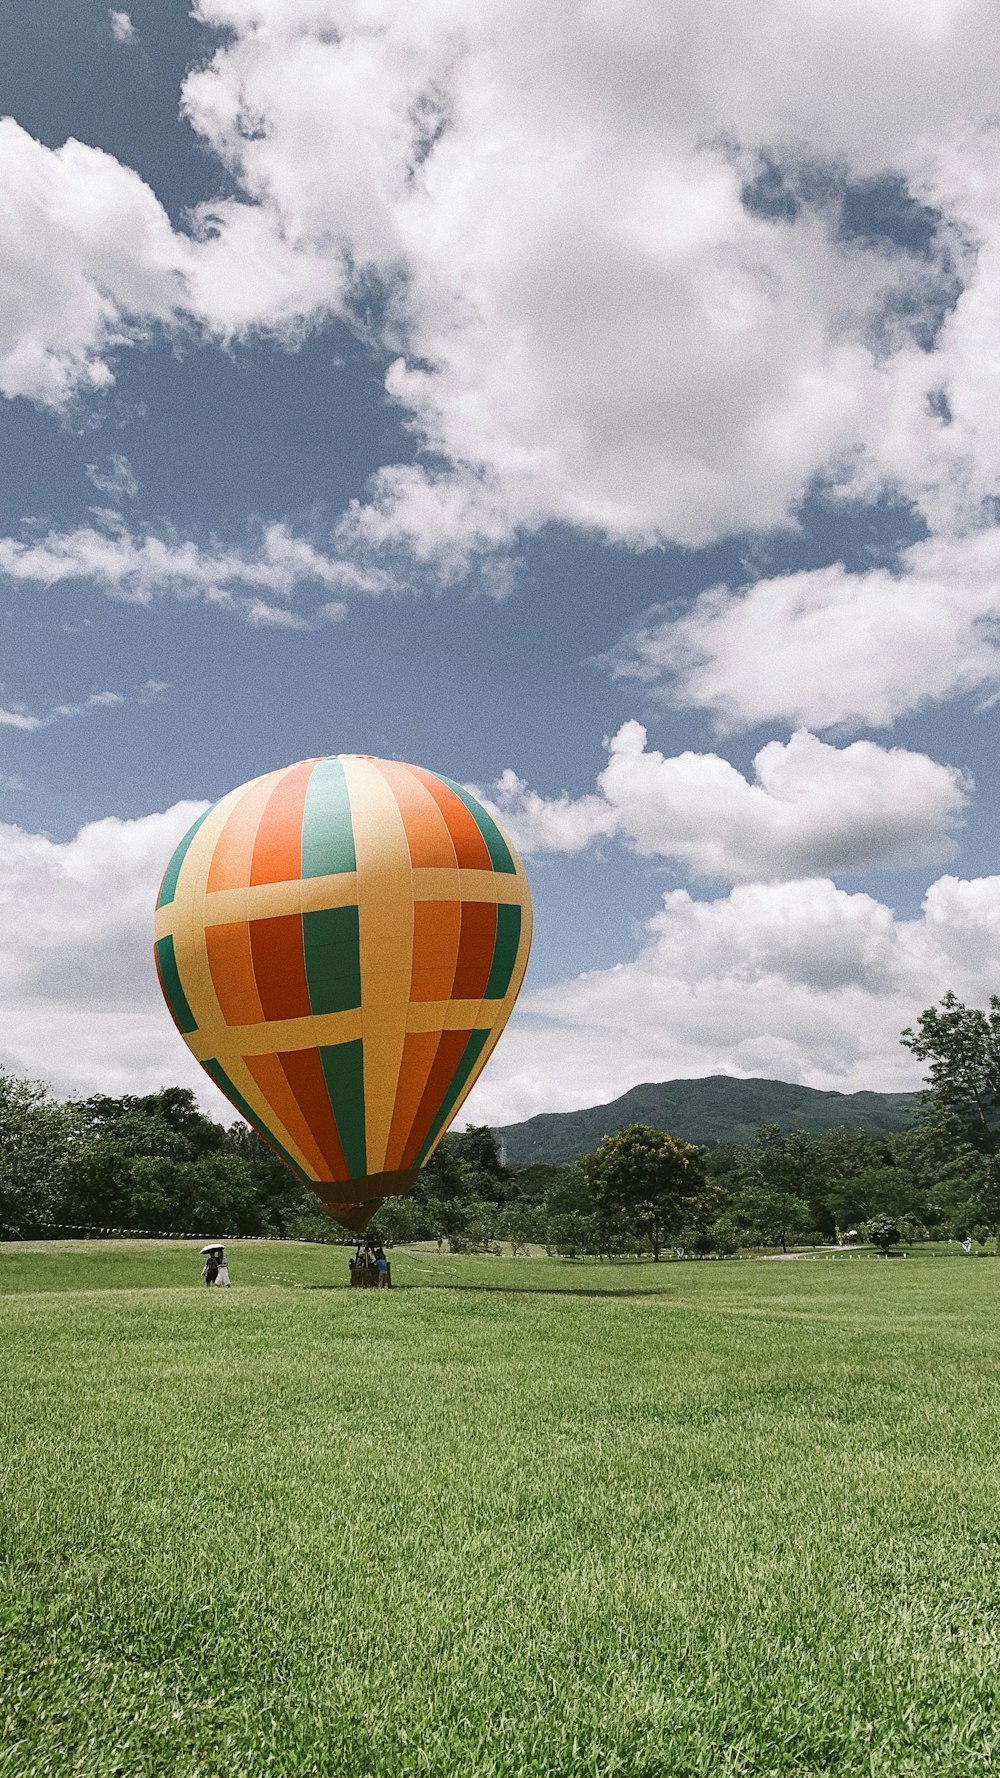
278, 1035
450, 1015
265, 900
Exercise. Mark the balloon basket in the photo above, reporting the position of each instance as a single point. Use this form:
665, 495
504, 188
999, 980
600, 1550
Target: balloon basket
366, 1278
365, 1274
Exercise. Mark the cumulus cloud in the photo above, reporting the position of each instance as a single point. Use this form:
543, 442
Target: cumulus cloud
88, 262
796, 981
82, 1004
122, 28
828, 647
548, 222
809, 808
591, 322
139, 567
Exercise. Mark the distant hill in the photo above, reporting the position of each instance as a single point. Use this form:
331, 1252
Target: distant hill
716, 1109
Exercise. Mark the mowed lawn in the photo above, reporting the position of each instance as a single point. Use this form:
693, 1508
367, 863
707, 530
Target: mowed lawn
515, 1517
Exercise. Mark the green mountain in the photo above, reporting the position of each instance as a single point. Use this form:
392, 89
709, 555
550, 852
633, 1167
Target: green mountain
716, 1109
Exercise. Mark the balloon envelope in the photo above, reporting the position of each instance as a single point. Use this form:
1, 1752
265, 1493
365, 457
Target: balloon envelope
340, 944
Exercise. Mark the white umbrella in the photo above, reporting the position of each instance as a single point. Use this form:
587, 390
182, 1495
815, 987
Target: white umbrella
215, 1247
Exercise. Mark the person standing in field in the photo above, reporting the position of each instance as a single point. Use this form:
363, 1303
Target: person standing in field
210, 1270
222, 1276
382, 1267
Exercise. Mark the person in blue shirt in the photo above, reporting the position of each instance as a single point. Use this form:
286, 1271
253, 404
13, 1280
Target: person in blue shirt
382, 1267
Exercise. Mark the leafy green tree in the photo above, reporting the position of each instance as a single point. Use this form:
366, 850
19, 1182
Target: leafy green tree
534, 1184
571, 1192
889, 1191
399, 1219
38, 1138
571, 1234
306, 1220
523, 1225
775, 1161
478, 1146
961, 1046
724, 1235
769, 1182
476, 1230
646, 1186
772, 1218
446, 1177
883, 1233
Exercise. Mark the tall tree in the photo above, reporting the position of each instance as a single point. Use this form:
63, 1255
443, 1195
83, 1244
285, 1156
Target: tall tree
478, 1146
961, 1046
772, 1218
647, 1185
38, 1137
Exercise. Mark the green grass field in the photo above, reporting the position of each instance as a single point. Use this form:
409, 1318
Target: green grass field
516, 1517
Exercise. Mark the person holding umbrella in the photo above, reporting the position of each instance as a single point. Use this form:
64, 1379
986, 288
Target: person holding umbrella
215, 1269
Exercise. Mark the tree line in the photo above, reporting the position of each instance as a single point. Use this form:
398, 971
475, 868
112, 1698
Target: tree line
157, 1164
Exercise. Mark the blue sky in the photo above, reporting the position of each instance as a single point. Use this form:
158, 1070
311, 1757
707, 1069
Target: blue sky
475, 388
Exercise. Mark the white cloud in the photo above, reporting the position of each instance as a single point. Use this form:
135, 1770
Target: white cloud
27, 720
549, 824
539, 217
122, 28
810, 808
139, 567
118, 480
88, 262
827, 647
22, 719
795, 981
82, 1005
588, 324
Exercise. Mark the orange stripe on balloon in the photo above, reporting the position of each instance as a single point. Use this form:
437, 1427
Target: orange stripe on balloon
471, 849
231, 964
437, 927
304, 1072
475, 949
427, 833
277, 852
279, 966
230, 866
419, 1052
273, 1083
449, 1052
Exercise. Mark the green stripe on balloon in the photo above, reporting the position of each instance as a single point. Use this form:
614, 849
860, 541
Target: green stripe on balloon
327, 833
496, 845
168, 888
467, 1061
344, 1072
173, 989
235, 1097
331, 942
504, 951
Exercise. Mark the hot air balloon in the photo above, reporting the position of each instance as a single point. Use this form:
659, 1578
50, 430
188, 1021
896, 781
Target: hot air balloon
340, 944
